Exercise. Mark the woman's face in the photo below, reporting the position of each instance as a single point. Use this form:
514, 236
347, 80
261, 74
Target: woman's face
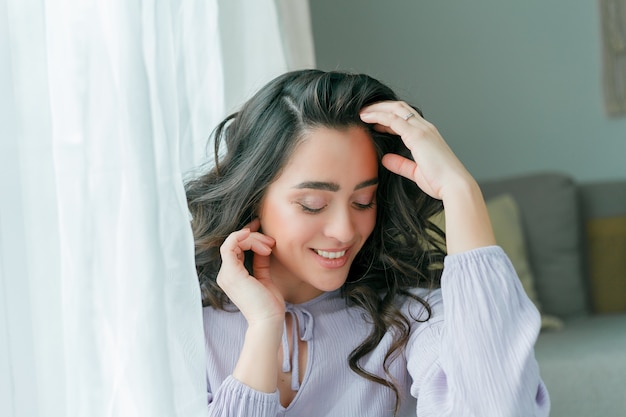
320, 211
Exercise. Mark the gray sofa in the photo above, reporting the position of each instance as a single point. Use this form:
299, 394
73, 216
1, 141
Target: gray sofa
575, 241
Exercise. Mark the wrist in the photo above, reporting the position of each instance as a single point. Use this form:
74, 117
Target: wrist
467, 221
257, 366
465, 189
265, 329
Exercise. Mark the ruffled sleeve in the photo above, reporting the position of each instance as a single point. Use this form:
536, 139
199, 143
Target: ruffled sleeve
478, 360
234, 399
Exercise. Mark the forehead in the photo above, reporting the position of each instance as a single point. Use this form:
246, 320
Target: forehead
326, 153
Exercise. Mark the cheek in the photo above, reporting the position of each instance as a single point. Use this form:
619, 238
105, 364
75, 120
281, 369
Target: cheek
270, 216
283, 222
368, 223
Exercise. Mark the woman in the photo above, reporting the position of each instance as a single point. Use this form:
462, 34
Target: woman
327, 290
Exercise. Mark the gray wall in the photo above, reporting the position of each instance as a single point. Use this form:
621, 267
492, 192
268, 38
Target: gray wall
514, 87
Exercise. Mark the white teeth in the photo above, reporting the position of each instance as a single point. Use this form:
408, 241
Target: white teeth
330, 255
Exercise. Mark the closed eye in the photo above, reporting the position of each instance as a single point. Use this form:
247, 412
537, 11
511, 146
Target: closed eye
311, 210
367, 206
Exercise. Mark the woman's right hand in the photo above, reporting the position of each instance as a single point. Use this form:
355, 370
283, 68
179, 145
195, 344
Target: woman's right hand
258, 299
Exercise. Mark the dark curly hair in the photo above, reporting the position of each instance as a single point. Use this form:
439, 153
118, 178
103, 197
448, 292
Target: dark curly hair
404, 250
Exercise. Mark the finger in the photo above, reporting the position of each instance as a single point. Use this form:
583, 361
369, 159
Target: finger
243, 240
389, 111
388, 117
400, 108
400, 165
254, 225
261, 267
232, 241
411, 131
257, 243
384, 129
394, 124
260, 247
230, 251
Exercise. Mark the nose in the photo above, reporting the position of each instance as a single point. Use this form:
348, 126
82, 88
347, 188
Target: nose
341, 225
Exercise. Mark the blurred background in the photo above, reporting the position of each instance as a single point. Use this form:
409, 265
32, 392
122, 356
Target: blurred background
514, 87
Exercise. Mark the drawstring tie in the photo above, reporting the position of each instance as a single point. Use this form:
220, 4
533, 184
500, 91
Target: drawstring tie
302, 327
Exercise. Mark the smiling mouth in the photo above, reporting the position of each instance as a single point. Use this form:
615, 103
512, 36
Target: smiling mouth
330, 255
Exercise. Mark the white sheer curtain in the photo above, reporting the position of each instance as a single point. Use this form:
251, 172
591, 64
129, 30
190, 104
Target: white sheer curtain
104, 106
273, 35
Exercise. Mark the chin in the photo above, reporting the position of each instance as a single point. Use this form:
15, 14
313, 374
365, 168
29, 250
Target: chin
331, 285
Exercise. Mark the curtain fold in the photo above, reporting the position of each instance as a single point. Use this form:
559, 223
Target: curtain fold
294, 23
106, 108
31, 335
274, 35
108, 105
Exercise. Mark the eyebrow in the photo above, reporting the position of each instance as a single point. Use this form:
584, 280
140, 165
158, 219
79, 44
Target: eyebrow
333, 186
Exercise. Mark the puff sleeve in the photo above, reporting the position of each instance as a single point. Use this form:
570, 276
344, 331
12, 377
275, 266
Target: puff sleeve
476, 356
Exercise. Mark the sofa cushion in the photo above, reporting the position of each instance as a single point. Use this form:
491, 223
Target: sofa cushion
606, 240
583, 366
550, 217
507, 228
603, 198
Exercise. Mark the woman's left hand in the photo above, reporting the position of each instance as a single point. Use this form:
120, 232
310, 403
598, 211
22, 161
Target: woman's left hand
435, 168
437, 171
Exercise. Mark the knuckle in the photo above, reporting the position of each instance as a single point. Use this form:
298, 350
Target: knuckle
224, 248
224, 278
422, 132
430, 126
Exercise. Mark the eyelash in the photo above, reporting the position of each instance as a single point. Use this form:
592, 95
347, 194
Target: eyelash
310, 210
364, 206
358, 206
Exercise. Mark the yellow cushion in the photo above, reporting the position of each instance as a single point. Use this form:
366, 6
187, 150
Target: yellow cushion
607, 263
504, 215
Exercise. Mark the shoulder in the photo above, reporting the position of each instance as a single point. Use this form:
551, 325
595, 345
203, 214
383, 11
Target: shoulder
227, 321
422, 304
475, 265
423, 348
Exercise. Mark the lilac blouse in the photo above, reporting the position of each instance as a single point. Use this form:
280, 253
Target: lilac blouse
473, 357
